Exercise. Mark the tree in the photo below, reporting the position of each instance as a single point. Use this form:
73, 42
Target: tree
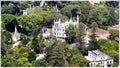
23, 62
68, 10
113, 33
113, 16
53, 17
8, 61
111, 48
93, 41
24, 39
7, 37
70, 32
40, 63
80, 33
14, 7
8, 9
31, 56
112, 4
37, 43
5, 42
30, 22
7, 18
75, 57
55, 56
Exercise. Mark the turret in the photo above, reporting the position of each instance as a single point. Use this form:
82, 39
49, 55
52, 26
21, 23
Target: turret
59, 20
77, 18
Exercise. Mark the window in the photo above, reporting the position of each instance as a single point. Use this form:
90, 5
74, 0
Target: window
101, 62
94, 64
103, 57
107, 62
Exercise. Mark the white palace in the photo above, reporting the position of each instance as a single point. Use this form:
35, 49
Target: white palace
58, 29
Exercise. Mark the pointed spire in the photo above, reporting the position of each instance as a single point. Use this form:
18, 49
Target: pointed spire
15, 29
56, 8
77, 18
71, 19
15, 35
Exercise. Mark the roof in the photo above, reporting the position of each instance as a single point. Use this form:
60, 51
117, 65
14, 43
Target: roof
97, 53
99, 31
116, 27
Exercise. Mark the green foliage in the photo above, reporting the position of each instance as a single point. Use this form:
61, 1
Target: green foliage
75, 57
7, 18
7, 37
52, 17
102, 41
30, 22
24, 39
23, 5
23, 62
14, 7
58, 54
113, 34
40, 63
55, 55
16, 57
111, 48
37, 43
8, 61
9, 9
47, 43
112, 4
70, 31
93, 44
31, 56
80, 33
67, 10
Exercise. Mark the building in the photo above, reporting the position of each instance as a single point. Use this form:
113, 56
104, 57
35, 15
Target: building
114, 27
98, 58
94, 1
15, 35
100, 33
58, 29
41, 56
25, 12
46, 32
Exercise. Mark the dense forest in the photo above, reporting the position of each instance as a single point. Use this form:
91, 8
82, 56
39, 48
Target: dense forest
58, 53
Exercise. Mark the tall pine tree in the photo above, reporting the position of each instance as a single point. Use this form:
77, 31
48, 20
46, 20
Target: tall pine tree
55, 55
93, 41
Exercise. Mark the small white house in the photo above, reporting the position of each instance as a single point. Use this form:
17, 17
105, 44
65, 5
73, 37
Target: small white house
98, 58
41, 56
25, 12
